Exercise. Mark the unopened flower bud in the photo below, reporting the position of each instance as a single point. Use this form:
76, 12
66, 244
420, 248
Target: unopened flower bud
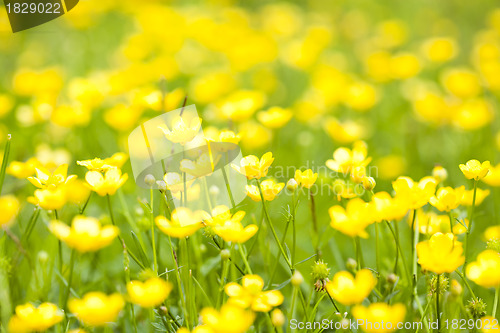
456, 288
225, 254
161, 185
149, 180
352, 264
476, 308
439, 173
443, 285
291, 185
297, 279
392, 279
319, 273
277, 318
369, 183
43, 257
214, 190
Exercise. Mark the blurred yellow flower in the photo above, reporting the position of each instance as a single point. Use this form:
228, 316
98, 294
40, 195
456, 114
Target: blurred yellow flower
391, 33
447, 198
204, 165
241, 105
440, 49
182, 223
341, 189
462, 83
30, 319
414, 194
350, 290
254, 135
210, 87
107, 184
360, 96
275, 117
493, 177
182, 130
197, 329
97, 308
344, 132
45, 179
122, 117
23, 170
6, 104
378, 313
52, 198
387, 208
97, 164
306, 178
473, 114
439, 173
429, 223
485, 271
353, 219
150, 293
230, 319
489, 323
345, 159
232, 230
390, 166
442, 253
251, 167
270, 190
85, 233
404, 65
480, 196
71, 115
175, 182
474, 169
492, 233
250, 295
9, 206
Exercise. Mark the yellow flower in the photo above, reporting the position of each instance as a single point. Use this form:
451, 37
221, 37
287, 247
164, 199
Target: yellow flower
404, 65
480, 196
344, 132
275, 117
430, 223
122, 117
197, 329
202, 166
352, 220
349, 290
306, 178
473, 114
175, 182
97, 308
52, 198
439, 173
341, 189
183, 222
440, 49
447, 198
387, 208
23, 170
107, 184
209, 87
85, 233
241, 105
441, 253
493, 177
488, 324
230, 319
377, 313
492, 233
97, 164
183, 130
252, 167
474, 169
250, 295
269, 190
414, 194
45, 179
485, 271
254, 135
345, 160
9, 206
361, 96
29, 318
150, 293
77, 191
71, 115
390, 167
462, 83
233, 231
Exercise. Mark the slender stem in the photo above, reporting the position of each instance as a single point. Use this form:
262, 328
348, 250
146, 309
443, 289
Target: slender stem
244, 257
495, 302
153, 239
179, 283
225, 269
70, 278
228, 187
333, 302
451, 221
466, 284
377, 252
230, 259
398, 245
437, 304
268, 219
470, 226
314, 221
5, 161
294, 236
291, 315
86, 203
110, 208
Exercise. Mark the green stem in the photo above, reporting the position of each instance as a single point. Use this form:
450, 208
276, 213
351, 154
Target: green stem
294, 231
225, 269
437, 304
153, 239
495, 302
377, 252
70, 278
179, 283
244, 257
315, 222
268, 219
451, 221
398, 245
228, 187
466, 284
6, 308
5, 161
470, 226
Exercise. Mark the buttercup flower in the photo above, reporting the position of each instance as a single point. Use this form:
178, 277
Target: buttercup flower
269, 190
390, 315
85, 233
485, 271
175, 182
306, 178
96, 308
480, 196
35, 319
230, 319
9, 206
203, 166
150, 293
232, 230
439, 173
183, 222
250, 295
183, 130
489, 324
414, 194
492, 233
474, 169
349, 290
23, 170
107, 184
442, 253
252, 167
97, 164
275, 117
352, 220
387, 208
344, 159
493, 177
447, 198
45, 179
52, 198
